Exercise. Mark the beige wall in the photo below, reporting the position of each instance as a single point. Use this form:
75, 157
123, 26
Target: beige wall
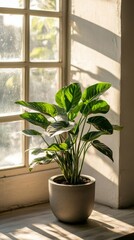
95, 44
25, 189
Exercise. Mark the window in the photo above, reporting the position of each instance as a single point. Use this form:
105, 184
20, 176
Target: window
31, 68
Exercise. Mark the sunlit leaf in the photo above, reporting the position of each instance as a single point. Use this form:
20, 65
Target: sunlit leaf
72, 114
36, 119
95, 106
42, 107
68, 97
94, 91
58, 147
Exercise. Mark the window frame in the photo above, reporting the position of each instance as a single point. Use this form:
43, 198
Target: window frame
61, 64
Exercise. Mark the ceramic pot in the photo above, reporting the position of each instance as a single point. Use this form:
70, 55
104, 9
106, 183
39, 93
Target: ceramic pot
71, 203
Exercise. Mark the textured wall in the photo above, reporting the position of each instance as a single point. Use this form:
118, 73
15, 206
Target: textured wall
95, 42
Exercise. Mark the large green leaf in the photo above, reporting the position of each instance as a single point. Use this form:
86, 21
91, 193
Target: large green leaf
60, 127
101, 123
68, 97
36, 151
31, 132
42, 107
74, 111
36, 119
40, 160
57, 147
90, 136
103, 148
94, 91
95, 106
59, 97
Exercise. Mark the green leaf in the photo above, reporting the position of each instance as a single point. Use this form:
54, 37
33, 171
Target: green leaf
60, 127
68, 142
57, 147
39, 161
90, 136
48, 158
95, 106
56, 126
101, 123
103, 149
59, 97
36, 119
37, 151
42, 107
69, 96
75, 130
31, 132
72, 114
94, 91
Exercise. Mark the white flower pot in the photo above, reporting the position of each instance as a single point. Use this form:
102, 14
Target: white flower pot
71, 203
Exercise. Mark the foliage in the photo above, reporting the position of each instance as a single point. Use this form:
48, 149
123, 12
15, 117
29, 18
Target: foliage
72, 128
46, 5
43, 43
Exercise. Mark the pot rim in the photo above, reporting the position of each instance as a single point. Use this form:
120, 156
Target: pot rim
51, 179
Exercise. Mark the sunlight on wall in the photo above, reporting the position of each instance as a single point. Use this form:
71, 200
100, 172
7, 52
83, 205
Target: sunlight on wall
95, 10
95, 57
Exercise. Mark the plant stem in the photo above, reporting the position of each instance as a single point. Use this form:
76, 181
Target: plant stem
45, 140
84, 153
79, 137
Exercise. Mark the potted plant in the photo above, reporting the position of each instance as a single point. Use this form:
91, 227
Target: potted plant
74, 124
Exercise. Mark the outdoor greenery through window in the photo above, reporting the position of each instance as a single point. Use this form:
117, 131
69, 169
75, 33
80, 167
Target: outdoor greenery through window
31, 65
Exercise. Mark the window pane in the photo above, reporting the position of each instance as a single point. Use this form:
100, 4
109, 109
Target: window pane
43, 84
44, 39
10, 145
48, 5
12, 3
10, 90
11, 27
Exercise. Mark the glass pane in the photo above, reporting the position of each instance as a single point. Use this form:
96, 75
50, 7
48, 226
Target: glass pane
47, 5
11, 31
12, 3
43, 84
44, 39
10, 145
10, 90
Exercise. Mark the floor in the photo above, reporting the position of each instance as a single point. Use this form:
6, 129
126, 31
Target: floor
38, 223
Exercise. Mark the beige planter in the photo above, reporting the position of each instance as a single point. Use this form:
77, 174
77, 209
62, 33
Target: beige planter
71, 203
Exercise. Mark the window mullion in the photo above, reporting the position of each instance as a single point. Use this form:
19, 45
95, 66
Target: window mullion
25, 140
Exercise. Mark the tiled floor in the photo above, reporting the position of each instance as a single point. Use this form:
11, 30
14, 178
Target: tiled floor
38, 223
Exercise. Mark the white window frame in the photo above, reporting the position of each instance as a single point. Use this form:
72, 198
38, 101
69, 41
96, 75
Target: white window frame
62, 15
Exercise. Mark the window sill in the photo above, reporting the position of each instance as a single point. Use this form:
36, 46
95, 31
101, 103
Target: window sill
38, 222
